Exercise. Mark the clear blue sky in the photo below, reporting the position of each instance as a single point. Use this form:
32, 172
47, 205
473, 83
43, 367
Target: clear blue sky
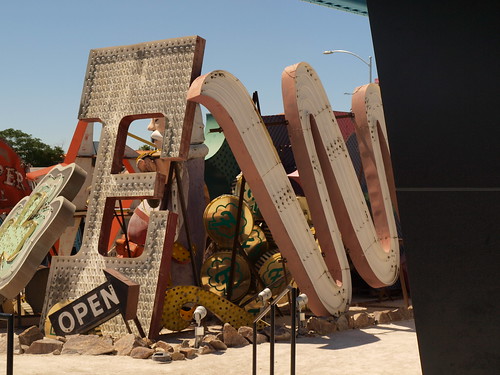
45, 47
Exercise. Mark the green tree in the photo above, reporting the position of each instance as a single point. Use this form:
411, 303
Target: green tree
146, 148
32, 150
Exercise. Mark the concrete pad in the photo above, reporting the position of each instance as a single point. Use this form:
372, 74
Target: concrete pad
383, 349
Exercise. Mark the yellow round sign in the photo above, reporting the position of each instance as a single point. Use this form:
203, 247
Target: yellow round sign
220, 220
272, 272
215, 275
256, 244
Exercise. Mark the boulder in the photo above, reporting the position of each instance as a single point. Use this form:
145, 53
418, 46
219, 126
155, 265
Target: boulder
362, 320
395, 315
321, 326
189, 353
88, 345
382, 317
178, 356
218, 345
125, 344
342, 323
232, 338
166, 347
28, 336
141, 352
247, 332
44, 346
205, 349
213, 342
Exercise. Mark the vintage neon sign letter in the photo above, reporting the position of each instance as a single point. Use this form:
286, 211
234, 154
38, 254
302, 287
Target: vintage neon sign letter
323, 161
322, 274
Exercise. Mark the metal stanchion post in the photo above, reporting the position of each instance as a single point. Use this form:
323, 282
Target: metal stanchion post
10, 341
293, 309
10, 345
273, 313
254, 360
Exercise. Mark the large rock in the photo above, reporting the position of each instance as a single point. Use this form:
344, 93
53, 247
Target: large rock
231, 336
321, 326
382, 317
162, 345
125, 344
362, 320
406, 312
88, 345
28, 336
342, 323
141, 352
214, 342
205, 349
247, 332
395, 315
178, 356
189, 353
44, 346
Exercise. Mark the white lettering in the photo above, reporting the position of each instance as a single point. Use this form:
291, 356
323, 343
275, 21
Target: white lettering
95, 306
71, 326
111, 295
10, 179
19, 181
80, 310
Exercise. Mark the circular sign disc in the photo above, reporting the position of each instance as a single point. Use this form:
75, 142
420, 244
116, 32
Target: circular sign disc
220, 220
215, 275
256, 244
271, 271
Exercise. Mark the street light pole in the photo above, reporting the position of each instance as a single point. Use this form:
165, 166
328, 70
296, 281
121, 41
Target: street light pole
369, 62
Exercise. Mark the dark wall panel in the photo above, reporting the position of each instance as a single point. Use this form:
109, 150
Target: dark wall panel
438, 64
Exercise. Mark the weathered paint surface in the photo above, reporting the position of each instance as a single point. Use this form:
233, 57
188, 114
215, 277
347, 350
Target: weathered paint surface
338, 207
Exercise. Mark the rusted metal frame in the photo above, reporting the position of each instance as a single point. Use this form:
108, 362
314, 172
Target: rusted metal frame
168, 189
122, 225
236, 241
163, 278
139, 327
196, 276
129, 330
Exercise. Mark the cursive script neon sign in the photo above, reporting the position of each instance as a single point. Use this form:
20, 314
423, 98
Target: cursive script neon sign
34, 224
